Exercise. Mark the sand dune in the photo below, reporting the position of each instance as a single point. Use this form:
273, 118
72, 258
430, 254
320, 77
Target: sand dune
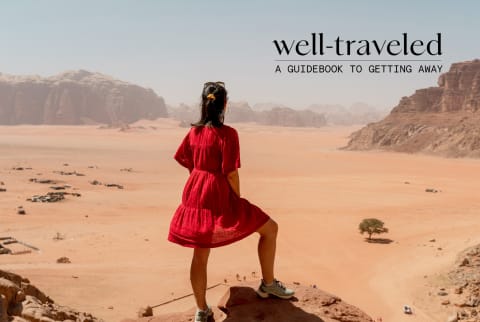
116, 238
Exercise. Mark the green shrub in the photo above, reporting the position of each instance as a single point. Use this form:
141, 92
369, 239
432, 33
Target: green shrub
372, 226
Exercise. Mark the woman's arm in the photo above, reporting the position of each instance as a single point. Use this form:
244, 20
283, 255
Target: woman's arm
234, 181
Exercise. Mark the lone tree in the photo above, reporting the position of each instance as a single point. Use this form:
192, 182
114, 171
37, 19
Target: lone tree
372, 226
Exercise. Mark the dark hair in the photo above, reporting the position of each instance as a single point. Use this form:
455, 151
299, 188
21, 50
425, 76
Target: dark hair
214, 97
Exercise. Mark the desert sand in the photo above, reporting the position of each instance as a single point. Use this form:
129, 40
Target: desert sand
116, 238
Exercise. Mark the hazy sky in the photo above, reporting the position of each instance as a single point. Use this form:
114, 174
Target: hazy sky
175, 46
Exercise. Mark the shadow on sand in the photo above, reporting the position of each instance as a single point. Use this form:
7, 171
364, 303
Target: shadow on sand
379, 240
249, 307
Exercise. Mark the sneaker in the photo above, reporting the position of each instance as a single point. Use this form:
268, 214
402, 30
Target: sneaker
276, 289
203, 315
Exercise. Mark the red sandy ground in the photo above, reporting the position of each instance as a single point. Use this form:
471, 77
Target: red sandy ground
116, 239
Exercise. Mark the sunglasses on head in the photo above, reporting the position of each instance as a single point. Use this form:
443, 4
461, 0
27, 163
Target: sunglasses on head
214, 83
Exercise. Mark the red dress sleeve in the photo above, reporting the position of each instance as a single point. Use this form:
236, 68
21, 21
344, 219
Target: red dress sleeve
230, 152
184, 154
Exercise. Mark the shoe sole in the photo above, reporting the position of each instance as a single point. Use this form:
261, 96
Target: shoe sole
265, 295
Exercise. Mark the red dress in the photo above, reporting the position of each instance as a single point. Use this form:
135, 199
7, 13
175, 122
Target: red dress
211, 214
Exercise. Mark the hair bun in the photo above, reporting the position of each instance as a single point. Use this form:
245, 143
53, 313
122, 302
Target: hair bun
211, 96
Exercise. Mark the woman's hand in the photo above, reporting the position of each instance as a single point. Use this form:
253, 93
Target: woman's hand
234, 181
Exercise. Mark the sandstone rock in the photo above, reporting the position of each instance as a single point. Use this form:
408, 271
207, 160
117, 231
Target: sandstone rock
69, 173
75, 97
145, 311
49, 197
9, 290
462, 314
439, 120
55, 196
45, 181
3, 308
21, 301
241, 304
33, 291
33, 309
15, 278
113, 185
58, 187
452, 318
472, 301
63, 260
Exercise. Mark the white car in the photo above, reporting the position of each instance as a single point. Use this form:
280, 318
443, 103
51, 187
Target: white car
407, 309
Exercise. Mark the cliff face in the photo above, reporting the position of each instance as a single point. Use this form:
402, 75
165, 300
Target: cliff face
440, 120
458, 90
76, 97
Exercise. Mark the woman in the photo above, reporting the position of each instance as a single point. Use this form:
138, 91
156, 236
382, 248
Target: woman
212, 213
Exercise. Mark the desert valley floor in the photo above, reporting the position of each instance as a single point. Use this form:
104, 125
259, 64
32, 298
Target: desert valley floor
116, 238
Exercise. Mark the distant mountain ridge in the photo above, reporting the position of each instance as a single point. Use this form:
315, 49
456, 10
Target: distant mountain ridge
83, 97
242, 112
281, 115
75, 97
357, 113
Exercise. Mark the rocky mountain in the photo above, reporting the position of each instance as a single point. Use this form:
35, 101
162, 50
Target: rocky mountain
266, 106
242, 112
440, 120
285, 116
357, 113
75, 97
240, 304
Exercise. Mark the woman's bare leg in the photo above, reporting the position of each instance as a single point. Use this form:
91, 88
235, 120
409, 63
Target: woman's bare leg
198, 276
266, 249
